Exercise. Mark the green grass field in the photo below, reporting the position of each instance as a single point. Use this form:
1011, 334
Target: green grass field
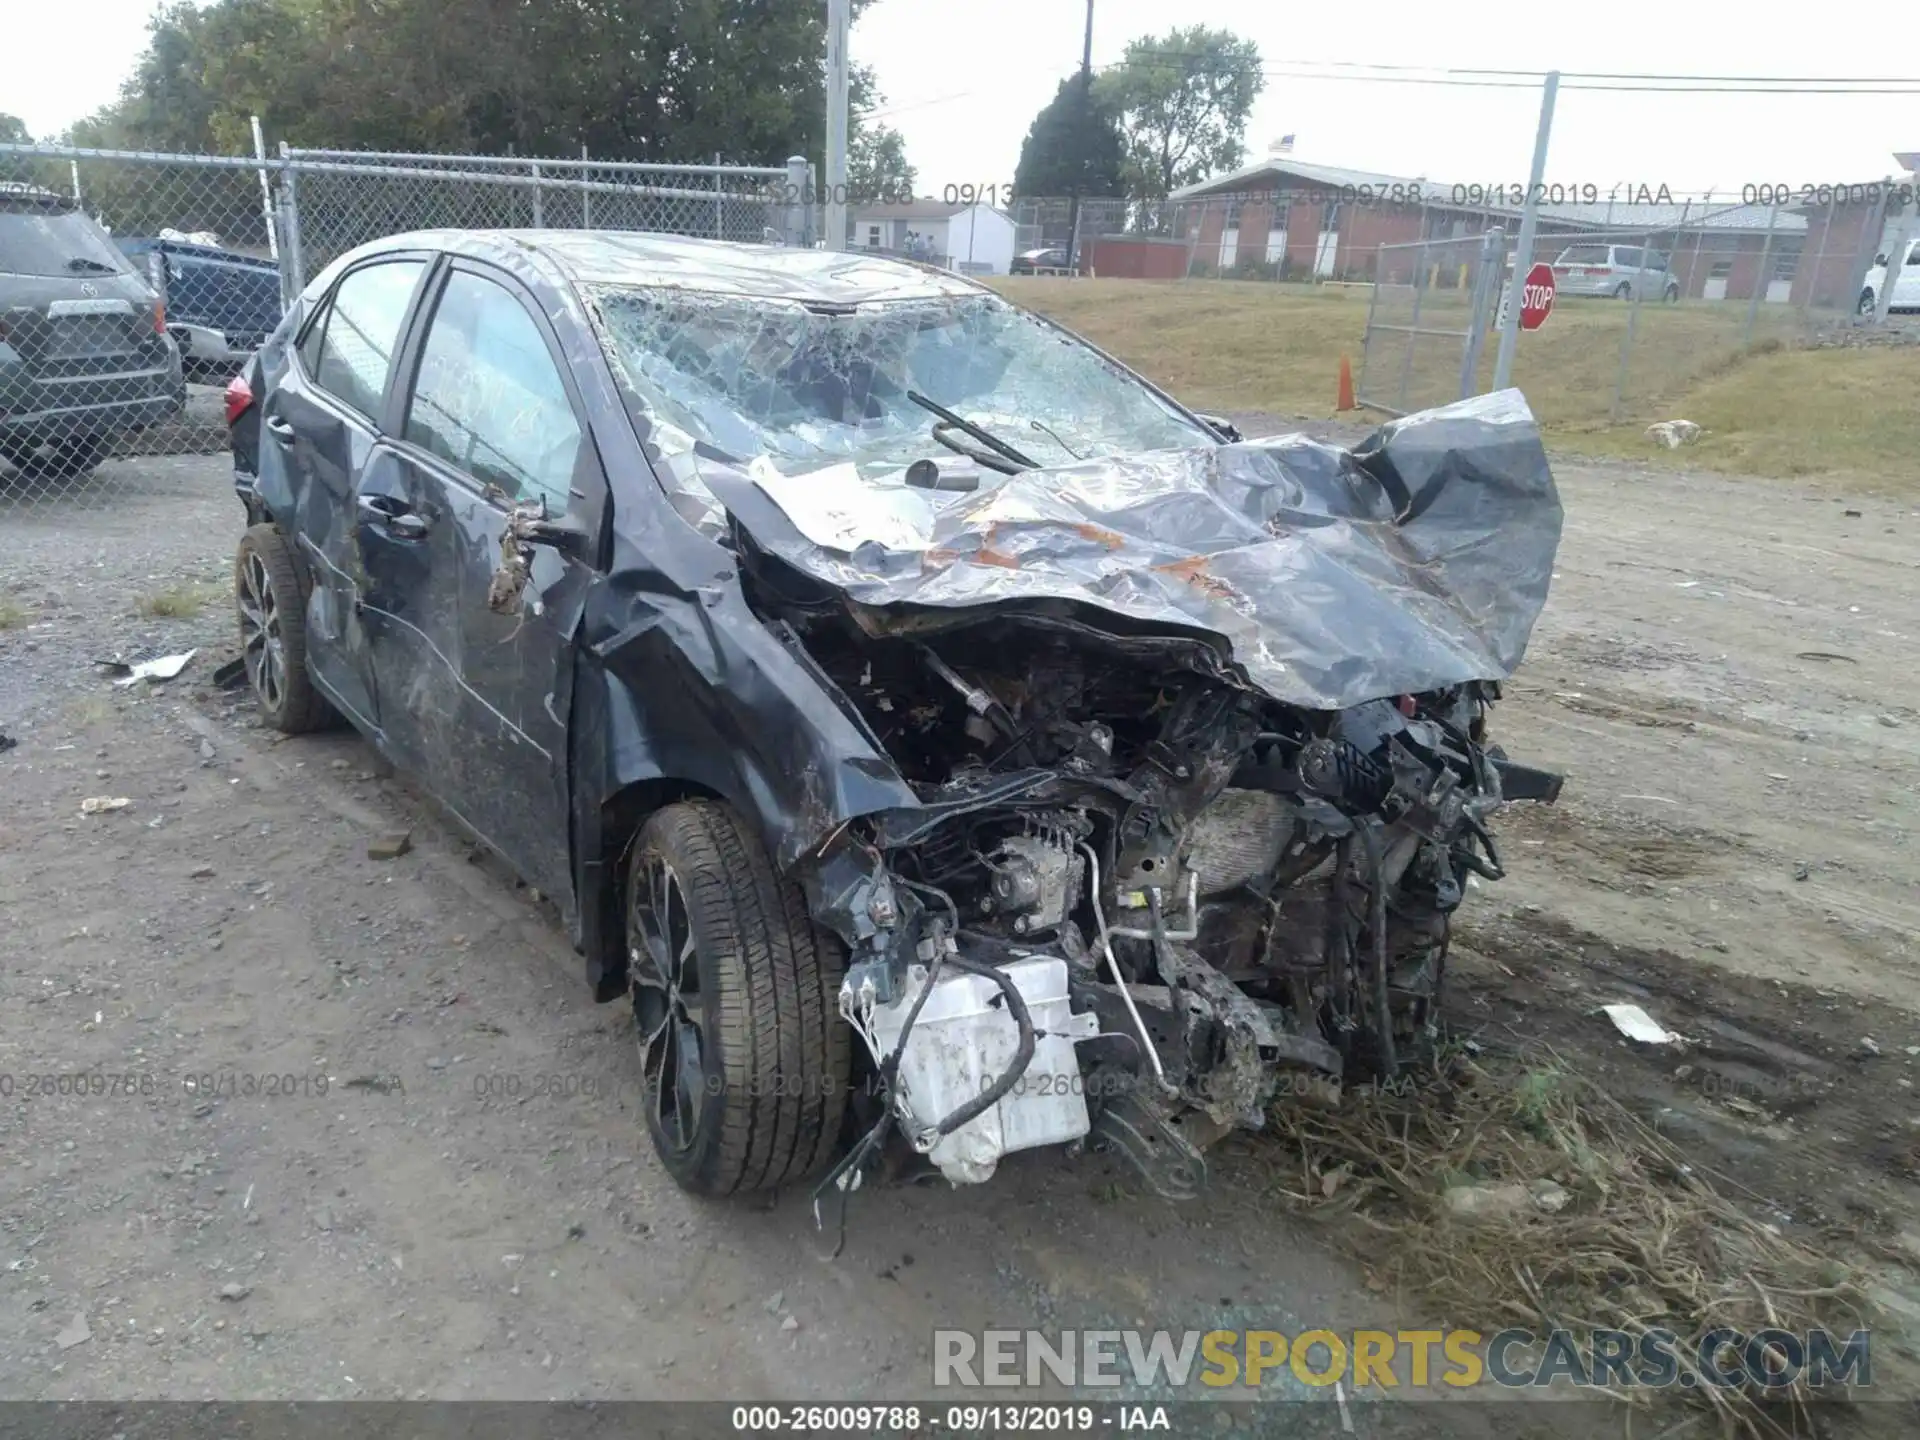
1769, 409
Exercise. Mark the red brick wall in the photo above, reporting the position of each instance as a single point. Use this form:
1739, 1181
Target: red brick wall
1123, 258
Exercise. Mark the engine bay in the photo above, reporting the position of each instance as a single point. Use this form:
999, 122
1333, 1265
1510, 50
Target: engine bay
1209, 894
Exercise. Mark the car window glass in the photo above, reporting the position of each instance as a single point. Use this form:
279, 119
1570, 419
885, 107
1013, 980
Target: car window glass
489, 397
359, 332
1627, 255
1584, 255
309, 347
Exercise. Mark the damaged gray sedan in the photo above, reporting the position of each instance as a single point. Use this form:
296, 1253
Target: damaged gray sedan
943, 736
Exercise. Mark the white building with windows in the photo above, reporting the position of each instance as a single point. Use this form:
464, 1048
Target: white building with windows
975, 239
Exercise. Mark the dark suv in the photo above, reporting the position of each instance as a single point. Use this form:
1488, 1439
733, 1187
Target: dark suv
84, 349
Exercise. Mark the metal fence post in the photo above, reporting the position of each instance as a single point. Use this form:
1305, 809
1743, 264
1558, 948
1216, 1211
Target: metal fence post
539, 215
1762, 279
799, 201
1819, 259
1523, 248
1366, 335
719, 202
1896, 253
1413, 326
266, 191
1486, 279
586, 192
292, 263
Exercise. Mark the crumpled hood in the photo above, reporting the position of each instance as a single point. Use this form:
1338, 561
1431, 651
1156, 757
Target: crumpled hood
1416, 560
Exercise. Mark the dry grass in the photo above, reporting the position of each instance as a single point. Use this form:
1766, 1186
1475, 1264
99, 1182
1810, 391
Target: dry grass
1244, 345
1647, 1242
12, 614
176, 602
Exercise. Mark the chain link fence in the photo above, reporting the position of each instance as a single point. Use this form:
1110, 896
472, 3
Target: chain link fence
133, 286
1431, 309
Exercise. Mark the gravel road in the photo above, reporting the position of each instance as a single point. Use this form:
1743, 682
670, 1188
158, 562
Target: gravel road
373, 1139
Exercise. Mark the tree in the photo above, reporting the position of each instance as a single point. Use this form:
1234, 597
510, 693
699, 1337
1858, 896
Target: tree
877, 162
1183, 99
13, 130
1073, 146
639, 80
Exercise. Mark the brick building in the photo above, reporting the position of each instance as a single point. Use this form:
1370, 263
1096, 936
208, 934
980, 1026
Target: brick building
1284, 218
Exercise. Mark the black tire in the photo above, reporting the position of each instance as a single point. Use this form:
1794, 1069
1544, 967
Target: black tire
1671, 294
270, 602
66, 459
1625, 292
743, 1052
1867, 303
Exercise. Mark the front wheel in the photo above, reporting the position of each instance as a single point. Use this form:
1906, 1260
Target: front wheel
1672, 294
1625, 292
743, 1054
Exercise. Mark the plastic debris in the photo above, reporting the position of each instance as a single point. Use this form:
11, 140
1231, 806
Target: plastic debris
1634, 1023
101, 804
161, 667
1673, 433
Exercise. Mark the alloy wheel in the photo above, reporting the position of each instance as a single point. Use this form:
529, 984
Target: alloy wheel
669, 1009
261, 644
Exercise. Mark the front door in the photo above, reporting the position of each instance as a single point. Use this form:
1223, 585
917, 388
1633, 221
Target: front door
322, 420
492, 422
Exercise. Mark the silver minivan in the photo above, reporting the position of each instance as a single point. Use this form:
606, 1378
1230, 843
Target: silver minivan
1622, 272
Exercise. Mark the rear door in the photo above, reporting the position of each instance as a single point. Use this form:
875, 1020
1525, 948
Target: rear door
493, 420
323, 417
1906, 289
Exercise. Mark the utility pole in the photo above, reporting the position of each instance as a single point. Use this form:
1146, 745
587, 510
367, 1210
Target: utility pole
839, 17
1086, 122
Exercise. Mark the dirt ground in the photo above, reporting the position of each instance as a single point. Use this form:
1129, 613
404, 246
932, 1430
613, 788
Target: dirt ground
449, 1194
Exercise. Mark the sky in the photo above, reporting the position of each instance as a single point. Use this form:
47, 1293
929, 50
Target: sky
962, 83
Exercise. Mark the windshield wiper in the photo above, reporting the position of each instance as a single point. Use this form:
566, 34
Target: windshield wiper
984, 436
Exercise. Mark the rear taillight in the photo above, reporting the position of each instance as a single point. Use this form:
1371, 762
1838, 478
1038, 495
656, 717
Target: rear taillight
239, 398
159, 317
1598, 270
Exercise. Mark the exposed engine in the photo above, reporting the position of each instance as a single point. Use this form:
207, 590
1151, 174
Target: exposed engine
1234, 894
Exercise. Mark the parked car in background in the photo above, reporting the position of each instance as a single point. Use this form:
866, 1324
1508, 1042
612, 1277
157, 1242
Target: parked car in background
84, 350
839, 646
1906, 289
221, 304
1619, 272
1038, 262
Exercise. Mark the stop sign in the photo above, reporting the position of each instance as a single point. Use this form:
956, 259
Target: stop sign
1536, 297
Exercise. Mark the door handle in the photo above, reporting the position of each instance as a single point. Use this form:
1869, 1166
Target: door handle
281, 429
392, 517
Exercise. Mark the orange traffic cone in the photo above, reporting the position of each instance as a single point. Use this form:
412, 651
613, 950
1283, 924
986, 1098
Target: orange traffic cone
1345, 401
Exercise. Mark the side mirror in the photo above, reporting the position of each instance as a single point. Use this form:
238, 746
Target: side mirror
1222, 427
564, 535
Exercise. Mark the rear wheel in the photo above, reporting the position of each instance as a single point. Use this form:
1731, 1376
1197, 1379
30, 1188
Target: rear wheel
743, 1054
64, 459
1672, 294
1867, 303
1625, 292
270, 595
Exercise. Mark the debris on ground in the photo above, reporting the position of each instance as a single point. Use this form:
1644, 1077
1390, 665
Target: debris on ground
390, 846
7, 742
161, 667
101, 804
1582, 1214
232, 675
1673, 433
1634, 1023
77, 1332
235, 1292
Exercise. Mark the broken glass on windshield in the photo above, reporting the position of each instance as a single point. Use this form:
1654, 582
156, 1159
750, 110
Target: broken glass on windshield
804, 388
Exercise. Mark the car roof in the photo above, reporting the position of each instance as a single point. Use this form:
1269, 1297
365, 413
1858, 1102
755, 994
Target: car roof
642, 258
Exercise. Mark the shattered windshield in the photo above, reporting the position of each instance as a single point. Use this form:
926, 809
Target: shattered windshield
805, 389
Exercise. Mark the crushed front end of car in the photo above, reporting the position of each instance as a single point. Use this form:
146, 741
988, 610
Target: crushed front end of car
1140, 782
1200, 745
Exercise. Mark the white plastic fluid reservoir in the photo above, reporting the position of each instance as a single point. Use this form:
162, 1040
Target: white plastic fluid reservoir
964, 1040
